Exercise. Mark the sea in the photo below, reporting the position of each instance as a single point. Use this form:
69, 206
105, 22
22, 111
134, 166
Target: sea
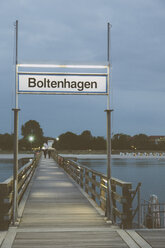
6, 165
149, 171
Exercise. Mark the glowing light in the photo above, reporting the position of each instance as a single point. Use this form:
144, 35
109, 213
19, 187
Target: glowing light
31, 138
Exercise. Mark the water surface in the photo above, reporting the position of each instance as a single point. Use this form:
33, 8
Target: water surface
6, 165
150, 172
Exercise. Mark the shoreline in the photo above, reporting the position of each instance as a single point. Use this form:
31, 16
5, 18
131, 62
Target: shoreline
11, 156
114, 156
87, 155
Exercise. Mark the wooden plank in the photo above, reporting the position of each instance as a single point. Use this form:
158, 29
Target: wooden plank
69, 239
138, 239
2, 237
9, 239
118, 213
118, 197
155, 237
121, 183
128, 240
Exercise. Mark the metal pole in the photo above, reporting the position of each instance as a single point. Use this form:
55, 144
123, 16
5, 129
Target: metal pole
15, 167
108, 111
139, 206
16, 62
108, 210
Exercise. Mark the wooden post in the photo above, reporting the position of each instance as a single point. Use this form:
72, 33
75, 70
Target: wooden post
86, 180
113, 189
5, 192
81, 177
127, 207
93, 186
102, 194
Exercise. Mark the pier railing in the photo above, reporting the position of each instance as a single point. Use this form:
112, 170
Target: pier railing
95, 185
152, 215
27, 167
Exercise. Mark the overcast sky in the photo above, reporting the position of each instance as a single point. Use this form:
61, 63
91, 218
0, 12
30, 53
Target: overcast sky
75, 31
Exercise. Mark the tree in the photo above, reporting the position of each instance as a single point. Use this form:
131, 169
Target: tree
6, 141
121, 141
98, 143
68, 141
31, 128
85, 140
141, 142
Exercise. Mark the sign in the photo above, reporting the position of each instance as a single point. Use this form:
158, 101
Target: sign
50, 83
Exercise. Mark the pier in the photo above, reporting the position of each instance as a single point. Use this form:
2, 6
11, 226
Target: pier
56, 212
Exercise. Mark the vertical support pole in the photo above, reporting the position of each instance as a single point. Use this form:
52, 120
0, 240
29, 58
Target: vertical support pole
16, 62
109, 201
15, 168
139, 206
108, 210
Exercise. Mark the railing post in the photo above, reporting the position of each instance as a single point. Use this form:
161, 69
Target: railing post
113, 190
81, 177
93, 185
86, 180
102, 194
127, 207
4, 207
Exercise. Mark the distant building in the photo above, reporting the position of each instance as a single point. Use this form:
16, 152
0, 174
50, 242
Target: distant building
50, 143
157, 139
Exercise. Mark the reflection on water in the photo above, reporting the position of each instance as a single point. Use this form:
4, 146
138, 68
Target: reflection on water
150, 172
6, 169
6, 164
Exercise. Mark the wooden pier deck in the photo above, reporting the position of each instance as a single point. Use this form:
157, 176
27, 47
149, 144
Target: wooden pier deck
56, 213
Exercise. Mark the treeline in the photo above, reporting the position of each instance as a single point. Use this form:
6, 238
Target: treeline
6, 142
84, 141
66, 141
137, 142
33, 137
120, 141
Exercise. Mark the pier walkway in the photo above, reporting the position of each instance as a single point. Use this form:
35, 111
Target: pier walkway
56, 213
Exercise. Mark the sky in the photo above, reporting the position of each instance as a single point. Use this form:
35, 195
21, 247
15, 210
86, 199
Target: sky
75, 32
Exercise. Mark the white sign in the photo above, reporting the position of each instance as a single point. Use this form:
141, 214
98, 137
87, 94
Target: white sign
62, 83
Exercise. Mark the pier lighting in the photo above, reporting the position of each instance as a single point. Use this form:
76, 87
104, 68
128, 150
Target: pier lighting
57, 139
31, 139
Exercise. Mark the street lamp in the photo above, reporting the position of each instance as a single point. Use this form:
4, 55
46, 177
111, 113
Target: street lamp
31, 139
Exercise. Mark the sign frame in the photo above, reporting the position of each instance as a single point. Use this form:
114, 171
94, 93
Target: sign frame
42, 73
107, 67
